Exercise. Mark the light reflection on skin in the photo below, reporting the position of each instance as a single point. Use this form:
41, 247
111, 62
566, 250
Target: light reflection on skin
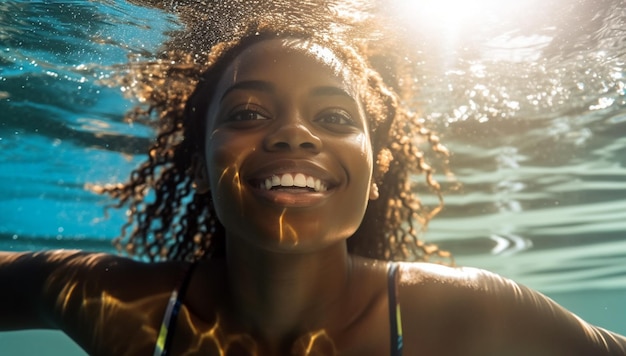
225, 173
86, 307
319, 343
103, 308
237, 184
363, 140
64, 296
235, 178
111, 311
215, 340
287, 232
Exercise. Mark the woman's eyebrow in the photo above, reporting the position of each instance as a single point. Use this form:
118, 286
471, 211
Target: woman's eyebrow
257, 85
331, 91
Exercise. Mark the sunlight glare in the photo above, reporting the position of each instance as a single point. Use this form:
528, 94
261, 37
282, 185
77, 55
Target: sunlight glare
450, 15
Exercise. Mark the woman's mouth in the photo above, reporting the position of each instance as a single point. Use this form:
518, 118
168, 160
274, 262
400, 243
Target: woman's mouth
293, 182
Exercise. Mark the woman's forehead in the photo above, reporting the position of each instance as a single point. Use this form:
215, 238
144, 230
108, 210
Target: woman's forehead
320, 53
294, 52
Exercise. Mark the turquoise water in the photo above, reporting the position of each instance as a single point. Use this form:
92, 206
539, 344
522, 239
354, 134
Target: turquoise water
530, 98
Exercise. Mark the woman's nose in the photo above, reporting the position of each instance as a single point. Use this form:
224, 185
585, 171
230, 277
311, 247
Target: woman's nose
292, 136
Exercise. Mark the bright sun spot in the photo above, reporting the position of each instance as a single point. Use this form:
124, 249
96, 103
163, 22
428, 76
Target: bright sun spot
452, 15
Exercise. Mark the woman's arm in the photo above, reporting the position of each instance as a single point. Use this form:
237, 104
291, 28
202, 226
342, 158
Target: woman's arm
104, 302
467, 311
32, 284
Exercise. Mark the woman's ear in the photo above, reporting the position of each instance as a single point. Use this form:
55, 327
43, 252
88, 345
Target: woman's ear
374, 191
201, 177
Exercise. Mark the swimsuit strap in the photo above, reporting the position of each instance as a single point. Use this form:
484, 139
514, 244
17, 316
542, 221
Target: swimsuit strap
395, 321
168, 326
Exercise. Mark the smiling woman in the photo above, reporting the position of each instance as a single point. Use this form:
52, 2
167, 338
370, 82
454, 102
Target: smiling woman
312, 128
256, 104
271, 207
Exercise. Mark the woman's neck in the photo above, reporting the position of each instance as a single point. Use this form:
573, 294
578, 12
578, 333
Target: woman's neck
278, 294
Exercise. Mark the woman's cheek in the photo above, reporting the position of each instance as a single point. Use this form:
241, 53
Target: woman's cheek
224, 158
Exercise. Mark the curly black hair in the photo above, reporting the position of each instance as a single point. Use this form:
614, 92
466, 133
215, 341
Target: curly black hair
169, 220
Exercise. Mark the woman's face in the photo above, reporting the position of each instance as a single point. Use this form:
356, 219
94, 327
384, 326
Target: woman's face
288, 152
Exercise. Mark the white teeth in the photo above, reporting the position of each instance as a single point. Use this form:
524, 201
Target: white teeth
310, 182
286, 180
290, 180
299, 180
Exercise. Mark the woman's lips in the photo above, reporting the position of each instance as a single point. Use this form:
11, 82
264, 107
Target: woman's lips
293, 182
291, 189
291, 197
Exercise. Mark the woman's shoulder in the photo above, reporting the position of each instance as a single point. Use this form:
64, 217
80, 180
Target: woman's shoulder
485, 313
415, 277
468, 295
107, 280
108, 271
429, 288
414, 273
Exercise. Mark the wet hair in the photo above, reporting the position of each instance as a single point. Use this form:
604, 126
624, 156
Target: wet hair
169, 220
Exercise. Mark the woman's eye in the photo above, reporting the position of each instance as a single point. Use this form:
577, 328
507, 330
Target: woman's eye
247, 115
336, 118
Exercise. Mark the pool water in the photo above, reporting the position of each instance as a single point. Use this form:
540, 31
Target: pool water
530, 98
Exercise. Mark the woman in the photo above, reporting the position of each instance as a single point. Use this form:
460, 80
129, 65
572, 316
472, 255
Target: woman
276, 199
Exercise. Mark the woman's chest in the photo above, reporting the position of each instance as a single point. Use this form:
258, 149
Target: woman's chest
222, 334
